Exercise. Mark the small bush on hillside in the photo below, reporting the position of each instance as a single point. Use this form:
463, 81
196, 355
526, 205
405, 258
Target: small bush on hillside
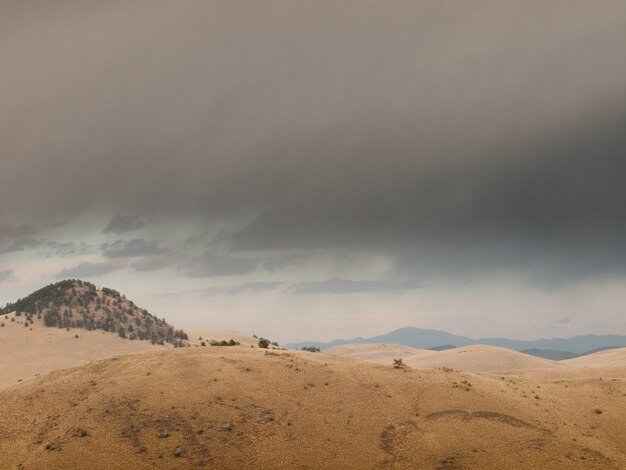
310, 349
264, 343
398, 364
232, 342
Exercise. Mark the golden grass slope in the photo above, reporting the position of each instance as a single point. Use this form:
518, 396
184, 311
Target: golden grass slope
36, 350
481, 358
610, 358
379, 353
245, 408
474, 358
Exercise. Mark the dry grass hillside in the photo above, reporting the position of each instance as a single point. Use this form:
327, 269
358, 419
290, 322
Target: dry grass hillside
33, 350
610, 358
474, 358
30, 349
378, 353
245, 408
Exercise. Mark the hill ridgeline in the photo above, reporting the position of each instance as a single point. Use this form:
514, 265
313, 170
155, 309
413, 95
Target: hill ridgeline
74, 303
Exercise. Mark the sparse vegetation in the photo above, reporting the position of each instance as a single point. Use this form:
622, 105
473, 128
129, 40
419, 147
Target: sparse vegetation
398, 364
264, 343
232, 342
78, 304
310, 349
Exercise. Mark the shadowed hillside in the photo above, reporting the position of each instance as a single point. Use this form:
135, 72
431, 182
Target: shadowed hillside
78, 304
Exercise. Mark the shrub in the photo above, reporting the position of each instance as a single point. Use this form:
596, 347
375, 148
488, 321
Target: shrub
213, 342
310, 349
264, 343
398, 364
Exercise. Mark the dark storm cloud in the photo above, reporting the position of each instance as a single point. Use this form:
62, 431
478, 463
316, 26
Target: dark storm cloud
153, 263
124, 223
213, 265
243, 288
276, 263
19, 245
66, 249
483, 134
89, 270
11, 232
6, 275
348, 286
131, 248
17, 238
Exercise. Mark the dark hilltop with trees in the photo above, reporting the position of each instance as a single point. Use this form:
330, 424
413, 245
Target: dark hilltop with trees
74, 303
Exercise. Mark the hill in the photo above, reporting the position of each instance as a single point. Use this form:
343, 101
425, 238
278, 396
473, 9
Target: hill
563, 355
376, 353
427, 339
473, 358
607, 358
550, 354
479, 358
78, 304
72, 323
245, 408
30, 351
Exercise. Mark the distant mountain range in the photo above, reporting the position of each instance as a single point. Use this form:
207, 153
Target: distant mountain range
557, 349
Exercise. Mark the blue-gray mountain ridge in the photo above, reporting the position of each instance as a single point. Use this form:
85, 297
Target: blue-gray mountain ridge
426, 339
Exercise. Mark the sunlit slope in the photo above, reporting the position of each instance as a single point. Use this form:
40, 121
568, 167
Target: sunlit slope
241, 407
474, 358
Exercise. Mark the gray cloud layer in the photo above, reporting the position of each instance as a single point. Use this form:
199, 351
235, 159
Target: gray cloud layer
123, 223
452, 137
131, 248
212, 265
348, 286
88, 270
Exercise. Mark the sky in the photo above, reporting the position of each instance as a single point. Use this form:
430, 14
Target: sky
319, 169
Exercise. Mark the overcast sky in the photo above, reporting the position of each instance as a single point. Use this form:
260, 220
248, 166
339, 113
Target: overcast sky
320, 169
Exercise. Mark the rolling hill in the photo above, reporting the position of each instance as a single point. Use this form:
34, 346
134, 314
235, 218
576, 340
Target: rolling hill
72, 323
473, 358
246, 408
